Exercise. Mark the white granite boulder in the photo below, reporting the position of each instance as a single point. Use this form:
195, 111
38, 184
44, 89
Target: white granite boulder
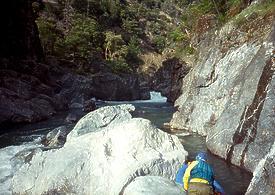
153, 185
102, 155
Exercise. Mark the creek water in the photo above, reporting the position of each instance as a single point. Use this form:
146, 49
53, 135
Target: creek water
234, 180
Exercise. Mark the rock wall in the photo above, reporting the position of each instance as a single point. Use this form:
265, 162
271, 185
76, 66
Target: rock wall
43, 90
163, 74
20, 38
264, 176
229, 94
168, 78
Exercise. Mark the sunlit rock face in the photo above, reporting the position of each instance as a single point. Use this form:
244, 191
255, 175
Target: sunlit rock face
105, 151
263, 176
229, 94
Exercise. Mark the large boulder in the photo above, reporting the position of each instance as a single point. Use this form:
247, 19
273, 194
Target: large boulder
12, 158
105, 151
153, 185
229, 94
15, 109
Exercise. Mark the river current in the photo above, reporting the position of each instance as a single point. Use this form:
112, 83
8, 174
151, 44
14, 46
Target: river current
234, 180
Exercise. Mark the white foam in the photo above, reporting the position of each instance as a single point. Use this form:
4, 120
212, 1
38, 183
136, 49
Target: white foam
8, 166
155, 97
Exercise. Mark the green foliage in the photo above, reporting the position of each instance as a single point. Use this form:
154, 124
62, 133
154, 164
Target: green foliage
177, 35
115, 48
119, 66
49, 34
82, 40
195, 11
151, 3
189, 50
268, 7
159, 43
131, 27
133, 51
234, 3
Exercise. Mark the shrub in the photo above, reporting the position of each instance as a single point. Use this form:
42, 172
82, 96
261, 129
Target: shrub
49, 34
82, 40
159, 43
119, 66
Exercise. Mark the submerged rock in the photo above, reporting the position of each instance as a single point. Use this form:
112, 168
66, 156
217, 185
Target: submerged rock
71, 118
106, 150
153, 185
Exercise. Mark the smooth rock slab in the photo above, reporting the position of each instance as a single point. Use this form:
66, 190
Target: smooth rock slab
263, 181
153, 185
102, 159
102, 117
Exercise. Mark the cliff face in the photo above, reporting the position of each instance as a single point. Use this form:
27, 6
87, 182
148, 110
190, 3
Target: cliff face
19, 37
229, 94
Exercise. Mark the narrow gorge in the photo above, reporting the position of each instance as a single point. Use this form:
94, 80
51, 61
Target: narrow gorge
111, 96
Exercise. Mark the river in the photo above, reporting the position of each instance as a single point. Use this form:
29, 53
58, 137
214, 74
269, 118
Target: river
234, 180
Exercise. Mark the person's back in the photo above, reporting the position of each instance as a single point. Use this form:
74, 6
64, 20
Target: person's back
199, 177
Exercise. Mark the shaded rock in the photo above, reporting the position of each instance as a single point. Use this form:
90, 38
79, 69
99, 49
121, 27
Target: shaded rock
20, 33
110, 86
71, 118
168, 79
76, 105
104, 160
89, 106
15, 109
152, 185
60, 103
104, 86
